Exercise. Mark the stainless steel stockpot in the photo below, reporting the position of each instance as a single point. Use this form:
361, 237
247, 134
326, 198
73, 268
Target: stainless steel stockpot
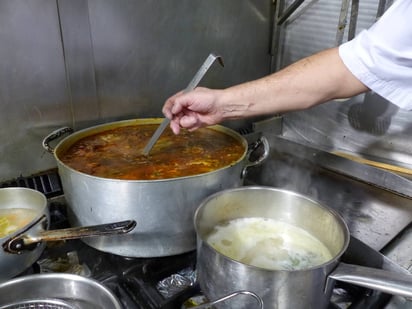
163, 208
219, 275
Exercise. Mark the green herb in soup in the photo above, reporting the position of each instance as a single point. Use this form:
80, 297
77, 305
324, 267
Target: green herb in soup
268, 244
14, 219
117, 153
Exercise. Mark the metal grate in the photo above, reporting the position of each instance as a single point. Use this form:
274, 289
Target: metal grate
47, 182
40, 304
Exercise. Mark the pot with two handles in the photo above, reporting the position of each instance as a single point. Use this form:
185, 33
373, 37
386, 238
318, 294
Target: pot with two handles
24, 229
164, 208
222, 276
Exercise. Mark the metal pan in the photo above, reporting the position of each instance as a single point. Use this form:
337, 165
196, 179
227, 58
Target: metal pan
24, 246
62, 291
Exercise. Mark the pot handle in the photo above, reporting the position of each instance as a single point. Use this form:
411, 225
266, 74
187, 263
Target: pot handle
223, 298
373, 278
54, 135
38, 225
266, 148
26, 242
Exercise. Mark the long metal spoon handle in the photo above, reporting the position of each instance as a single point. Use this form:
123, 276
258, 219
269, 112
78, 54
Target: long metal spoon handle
202, 71
192, 85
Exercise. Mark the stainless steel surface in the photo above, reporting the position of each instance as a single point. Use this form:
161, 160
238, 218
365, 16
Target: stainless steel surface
79, 63
163, 208
367, 125
314, 26
400, 248
34, 96
368, 174
192, 85
218, 275
12, 264
319, 25
374, 216
372, 278
82, 63
78, 291
361, 254
399, 252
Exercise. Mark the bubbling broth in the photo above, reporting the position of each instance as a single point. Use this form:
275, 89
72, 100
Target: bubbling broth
117, 153
14, 219
269, 244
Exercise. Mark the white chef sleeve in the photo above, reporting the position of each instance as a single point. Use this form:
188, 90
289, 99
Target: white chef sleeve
381, 57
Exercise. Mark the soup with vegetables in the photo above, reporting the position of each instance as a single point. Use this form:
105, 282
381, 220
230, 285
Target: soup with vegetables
269, 244
14, 219
117, 153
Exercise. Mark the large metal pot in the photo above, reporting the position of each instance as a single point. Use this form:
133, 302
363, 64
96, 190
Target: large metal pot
164, 208
23, 247
219, 275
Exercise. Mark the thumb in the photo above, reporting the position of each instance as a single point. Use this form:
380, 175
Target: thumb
190, 121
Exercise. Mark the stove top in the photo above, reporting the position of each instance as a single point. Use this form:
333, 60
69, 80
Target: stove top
165, 282
135, 281
153, 283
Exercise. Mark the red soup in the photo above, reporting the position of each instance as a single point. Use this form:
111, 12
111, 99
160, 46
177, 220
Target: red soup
117, 153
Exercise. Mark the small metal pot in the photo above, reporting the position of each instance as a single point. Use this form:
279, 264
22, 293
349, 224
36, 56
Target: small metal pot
23, 247
220, 276
63, 291
164, 207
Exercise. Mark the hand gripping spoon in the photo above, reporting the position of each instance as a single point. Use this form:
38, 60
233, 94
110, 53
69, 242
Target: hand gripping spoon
193, 83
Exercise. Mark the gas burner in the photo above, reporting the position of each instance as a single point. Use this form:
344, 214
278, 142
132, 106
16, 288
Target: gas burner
142, 280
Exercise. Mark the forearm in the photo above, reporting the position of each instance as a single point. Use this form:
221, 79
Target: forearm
310, 81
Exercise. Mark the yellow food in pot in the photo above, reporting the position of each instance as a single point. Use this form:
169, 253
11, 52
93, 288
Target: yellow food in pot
14, 219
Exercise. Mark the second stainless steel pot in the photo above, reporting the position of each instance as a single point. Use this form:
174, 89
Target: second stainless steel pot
219, 275
164, 208
24, 244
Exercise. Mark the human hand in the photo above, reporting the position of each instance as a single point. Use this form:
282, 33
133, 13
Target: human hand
194, 109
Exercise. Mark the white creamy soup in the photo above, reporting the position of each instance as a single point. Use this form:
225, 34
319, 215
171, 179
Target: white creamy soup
269, 244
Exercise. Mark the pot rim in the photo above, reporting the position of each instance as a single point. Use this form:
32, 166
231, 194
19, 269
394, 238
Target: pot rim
100, 128
335, 259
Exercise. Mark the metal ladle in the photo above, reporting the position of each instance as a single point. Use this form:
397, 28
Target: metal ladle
194, 82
